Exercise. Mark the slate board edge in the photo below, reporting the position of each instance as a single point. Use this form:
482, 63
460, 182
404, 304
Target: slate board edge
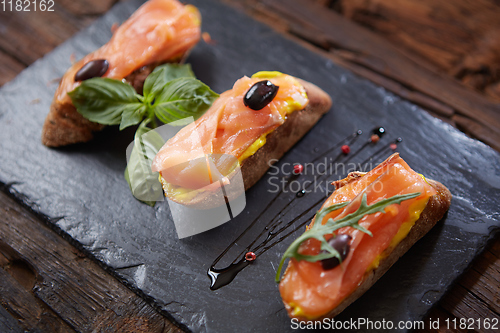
489, 240
48, 221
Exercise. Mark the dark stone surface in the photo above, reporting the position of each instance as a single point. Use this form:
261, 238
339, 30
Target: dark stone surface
82, 190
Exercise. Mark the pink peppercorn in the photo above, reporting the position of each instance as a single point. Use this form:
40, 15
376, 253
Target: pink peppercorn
250, 256
298, 169
374, 138
346, 149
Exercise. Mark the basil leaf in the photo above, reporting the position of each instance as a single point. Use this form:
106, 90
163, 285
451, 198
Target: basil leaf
109, 102
131, 116
182, 98
144, 183
163, 74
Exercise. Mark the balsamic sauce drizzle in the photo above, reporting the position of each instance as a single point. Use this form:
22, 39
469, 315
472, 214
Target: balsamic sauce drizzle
379, 153
348, 140
275, 227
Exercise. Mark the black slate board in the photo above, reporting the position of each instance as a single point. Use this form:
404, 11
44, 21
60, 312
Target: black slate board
82, 191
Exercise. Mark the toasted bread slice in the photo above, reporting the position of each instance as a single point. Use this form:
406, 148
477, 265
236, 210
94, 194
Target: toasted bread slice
64, 125
434, 211
278, 142
158, 32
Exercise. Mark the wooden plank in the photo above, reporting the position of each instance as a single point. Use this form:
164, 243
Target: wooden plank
30, 312
27, 36
87, 7
44, 277
460, 37
439, 315
7, 323
482, 280
9, 69
464, 304
495, 249
356, 45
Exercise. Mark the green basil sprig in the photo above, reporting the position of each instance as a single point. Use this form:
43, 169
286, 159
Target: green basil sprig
109, 102
170, 93
319, 230
162, 75
143, 182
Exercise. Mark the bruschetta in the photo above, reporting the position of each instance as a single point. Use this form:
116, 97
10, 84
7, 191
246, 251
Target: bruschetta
314, 290
160, 31
255, 122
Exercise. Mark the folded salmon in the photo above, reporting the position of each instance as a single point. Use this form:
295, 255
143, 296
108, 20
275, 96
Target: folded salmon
255, 122
159, 31
319, 289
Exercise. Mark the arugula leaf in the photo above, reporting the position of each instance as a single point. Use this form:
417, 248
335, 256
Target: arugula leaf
183, 98
109, 102
319, 230
163, 74
144, 183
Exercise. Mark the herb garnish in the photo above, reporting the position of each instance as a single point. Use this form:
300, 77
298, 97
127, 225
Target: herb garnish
170, 93
143, 182
319, 230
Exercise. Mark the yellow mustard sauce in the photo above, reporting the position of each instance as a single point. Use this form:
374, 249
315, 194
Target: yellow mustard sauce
298, 312
253, 147
178, 192
196, 17
415, 210
291, 105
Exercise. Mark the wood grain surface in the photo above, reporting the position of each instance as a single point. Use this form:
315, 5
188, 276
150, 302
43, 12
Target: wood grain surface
47, 284
442, 55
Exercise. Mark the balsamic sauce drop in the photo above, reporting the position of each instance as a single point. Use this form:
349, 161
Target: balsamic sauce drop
300, 193
222, 277
380, 131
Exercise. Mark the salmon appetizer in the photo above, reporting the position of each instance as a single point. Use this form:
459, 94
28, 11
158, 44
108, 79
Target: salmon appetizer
160, 31
321, 289
254, 123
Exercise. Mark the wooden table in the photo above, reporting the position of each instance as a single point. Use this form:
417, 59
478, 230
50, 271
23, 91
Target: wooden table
442, 55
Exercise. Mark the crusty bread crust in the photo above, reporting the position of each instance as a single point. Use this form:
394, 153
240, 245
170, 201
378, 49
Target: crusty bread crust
64, 125
287, 135
297, 124
434, 211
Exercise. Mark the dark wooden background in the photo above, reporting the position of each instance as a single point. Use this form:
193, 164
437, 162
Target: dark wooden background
442, 55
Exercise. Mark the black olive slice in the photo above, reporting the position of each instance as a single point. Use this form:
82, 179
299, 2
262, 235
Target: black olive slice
260, 94
94, 68
341, 244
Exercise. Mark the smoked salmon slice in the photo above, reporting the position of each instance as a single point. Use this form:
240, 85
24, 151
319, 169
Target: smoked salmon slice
227, 127
159, 31
307, 289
